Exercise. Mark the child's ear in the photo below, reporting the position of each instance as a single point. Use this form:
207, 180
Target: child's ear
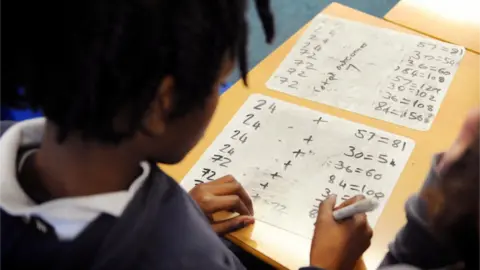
155, 120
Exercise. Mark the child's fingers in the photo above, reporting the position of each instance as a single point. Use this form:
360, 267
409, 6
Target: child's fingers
325, 210
232, 224
233, 188
350, 201
225, 203
222, 180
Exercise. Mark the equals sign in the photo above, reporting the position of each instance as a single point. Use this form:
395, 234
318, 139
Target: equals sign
358, 170
354, 187
413, 85
421, 74
432, 68
394, 112
405, 101
368, 157
198, 182
445, 49
383, 140
345, 197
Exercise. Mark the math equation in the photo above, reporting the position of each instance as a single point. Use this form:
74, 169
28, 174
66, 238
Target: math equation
290, 158
380, 73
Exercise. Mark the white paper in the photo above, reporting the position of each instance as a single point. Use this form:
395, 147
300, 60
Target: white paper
387, 75
289, 158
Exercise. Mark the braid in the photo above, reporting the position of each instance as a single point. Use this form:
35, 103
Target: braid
266, 16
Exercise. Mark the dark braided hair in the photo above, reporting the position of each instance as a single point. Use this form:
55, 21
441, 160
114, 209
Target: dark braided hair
83, 62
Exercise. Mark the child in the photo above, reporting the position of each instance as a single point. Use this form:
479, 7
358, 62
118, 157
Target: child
124, 85
442, 231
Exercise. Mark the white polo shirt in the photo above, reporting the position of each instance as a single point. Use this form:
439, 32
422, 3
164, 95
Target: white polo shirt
69, 216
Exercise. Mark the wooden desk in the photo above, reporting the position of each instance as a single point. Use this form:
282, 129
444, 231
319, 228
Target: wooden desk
281, 248
454, 21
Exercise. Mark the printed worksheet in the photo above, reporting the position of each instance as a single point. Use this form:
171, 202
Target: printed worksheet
377, 72
290, 158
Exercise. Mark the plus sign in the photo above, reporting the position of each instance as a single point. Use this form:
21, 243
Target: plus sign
319, 120
288, 163
298, 152
274, 175
264, 185
309, 139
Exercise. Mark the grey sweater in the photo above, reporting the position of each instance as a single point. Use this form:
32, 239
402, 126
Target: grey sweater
416, 246
161, 228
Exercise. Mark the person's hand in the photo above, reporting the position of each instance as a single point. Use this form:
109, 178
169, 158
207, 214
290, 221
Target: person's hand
224, 194
467, 139
337, 245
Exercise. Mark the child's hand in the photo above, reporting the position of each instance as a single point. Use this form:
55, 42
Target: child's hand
337, 245
224, 194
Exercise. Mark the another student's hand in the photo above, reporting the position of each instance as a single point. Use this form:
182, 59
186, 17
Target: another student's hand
337, 245
468, 138
224, 194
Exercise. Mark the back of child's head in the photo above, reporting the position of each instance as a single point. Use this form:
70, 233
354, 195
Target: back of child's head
84, 62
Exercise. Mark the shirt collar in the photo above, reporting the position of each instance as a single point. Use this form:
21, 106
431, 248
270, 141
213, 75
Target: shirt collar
59, 212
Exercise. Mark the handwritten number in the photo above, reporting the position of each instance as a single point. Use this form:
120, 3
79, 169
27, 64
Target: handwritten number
283, 80
272, 108
243, 138
340, 165
382, 158
206, 171
293, 85
225, 162
381, 105
310, 66
359, 133
417, 55
352, 152
422, 45
260, 102
278, 206
443, 71
226, 147
249, 116
298, 62
396, 143
235, 134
